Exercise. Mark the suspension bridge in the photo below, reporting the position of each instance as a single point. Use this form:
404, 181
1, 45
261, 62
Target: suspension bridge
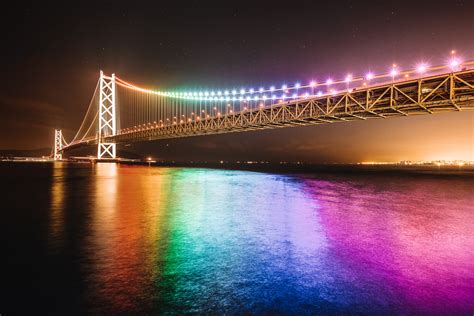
121, 112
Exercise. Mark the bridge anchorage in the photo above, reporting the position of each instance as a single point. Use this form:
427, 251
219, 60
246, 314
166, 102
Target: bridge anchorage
120, 112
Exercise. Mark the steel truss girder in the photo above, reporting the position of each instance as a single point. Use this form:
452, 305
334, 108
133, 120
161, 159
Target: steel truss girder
447, 92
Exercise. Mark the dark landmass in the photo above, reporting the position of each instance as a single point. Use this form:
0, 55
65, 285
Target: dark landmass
9, 153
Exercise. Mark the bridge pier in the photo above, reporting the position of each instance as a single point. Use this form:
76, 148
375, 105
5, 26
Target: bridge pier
58, 144
107, 118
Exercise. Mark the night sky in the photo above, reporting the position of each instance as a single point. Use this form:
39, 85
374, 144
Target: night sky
52, 54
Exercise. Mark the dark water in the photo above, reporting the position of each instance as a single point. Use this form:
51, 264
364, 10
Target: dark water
116, 239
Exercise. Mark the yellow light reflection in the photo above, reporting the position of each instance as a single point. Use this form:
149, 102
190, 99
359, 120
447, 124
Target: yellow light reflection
56, 222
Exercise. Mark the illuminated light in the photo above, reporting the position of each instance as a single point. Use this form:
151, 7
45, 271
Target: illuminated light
256, 97
264, 97
221, 99
421, 68
227, 98
213, 93
231, 111
348, 78
240, 98
251, 90
283, 96
333, 91
393, 72
200, 94
242, 91
320, 93
454, 63
297, 85
283, 87
261, 105
407, 75
306, 95
364, 84
329, 81
295, 95
234, 98
453, 52
248, 98
245, 108
272, 88
234, 92
226, 92
274, 97
312, 83
261, 89
219, 93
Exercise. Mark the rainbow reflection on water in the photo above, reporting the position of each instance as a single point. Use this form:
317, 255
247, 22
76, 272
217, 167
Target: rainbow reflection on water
196, 240
177, 240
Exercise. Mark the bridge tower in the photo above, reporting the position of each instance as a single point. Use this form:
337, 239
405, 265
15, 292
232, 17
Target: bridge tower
58, 144
107, 118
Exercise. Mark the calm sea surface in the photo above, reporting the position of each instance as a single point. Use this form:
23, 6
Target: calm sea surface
119, 239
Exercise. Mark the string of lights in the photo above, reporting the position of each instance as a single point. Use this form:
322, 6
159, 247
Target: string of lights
299, 90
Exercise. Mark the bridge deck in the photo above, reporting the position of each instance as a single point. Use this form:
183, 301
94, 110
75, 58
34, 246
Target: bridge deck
447, 92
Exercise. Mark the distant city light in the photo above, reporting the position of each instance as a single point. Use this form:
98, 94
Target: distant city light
329, 81
348, 78
297, 85
312, 83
